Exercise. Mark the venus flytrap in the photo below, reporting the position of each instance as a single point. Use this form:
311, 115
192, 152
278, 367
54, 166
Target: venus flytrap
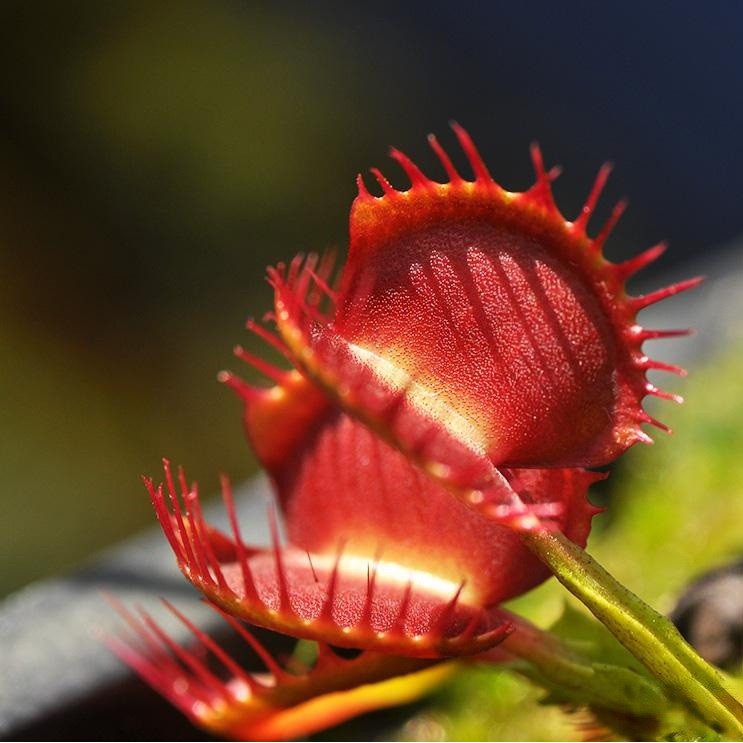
429, 442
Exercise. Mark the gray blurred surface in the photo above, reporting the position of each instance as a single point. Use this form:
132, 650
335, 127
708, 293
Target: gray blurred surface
51, 658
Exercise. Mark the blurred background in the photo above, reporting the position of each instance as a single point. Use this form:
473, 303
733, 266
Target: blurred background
156, 156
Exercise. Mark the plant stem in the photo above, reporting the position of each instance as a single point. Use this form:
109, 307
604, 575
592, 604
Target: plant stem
648, 635
556, 665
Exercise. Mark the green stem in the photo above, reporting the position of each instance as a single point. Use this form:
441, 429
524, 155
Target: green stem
554, 664
648, 635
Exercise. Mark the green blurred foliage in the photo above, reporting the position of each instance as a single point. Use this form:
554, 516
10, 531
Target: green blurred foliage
488, 704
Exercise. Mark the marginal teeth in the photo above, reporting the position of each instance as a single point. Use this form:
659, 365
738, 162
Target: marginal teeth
581, 221
451, 171
382, 181
648, 363
647, 418
642, 260
479, 168
616, 213
647, 335
363, 190
641, 436
417, 178
655, 391
639, 303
